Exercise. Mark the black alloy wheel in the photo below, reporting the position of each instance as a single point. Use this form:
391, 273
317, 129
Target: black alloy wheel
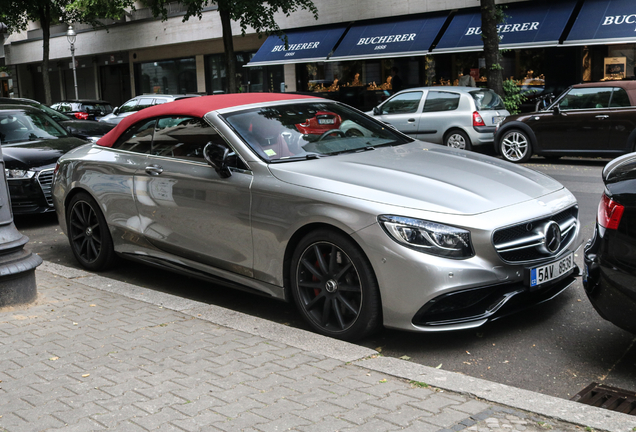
88, 233
334, 286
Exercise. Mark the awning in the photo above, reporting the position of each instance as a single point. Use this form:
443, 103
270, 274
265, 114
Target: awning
526, 25
394, 38
303, 46
604, 21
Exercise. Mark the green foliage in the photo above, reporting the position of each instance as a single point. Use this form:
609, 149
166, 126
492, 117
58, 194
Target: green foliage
512, 96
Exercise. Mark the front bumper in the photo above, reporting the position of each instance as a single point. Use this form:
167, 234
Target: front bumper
426, 293
32, 196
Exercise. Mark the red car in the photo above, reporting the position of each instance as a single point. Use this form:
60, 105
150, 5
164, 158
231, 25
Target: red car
320, 123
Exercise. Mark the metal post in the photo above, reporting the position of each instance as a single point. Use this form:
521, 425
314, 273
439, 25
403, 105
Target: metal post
74, 73
71, 36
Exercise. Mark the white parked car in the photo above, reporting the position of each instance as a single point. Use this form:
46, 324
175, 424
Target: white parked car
459, 117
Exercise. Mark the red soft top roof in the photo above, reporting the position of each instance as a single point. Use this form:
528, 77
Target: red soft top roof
196, 107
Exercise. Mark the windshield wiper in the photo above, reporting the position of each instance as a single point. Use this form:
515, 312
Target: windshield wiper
297, 158
356, 150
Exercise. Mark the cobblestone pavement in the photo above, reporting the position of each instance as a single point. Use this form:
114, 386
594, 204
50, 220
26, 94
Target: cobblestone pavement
83, 359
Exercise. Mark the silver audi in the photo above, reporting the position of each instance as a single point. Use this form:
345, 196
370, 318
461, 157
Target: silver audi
308, 200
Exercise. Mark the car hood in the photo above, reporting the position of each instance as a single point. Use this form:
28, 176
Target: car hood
421, 176
37, 153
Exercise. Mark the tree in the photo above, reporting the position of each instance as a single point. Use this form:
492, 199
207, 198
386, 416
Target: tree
491, 16
256, 14
16, 15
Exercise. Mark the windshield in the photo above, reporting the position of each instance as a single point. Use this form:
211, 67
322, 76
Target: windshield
55, 115
486, 99
306, 130
22, 126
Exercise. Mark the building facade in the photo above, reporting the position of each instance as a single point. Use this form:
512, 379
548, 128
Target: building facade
350, 50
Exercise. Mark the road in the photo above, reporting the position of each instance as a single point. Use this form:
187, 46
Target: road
557, 349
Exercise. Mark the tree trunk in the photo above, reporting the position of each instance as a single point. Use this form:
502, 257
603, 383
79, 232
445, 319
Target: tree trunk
45, 22
228, 45
489, 21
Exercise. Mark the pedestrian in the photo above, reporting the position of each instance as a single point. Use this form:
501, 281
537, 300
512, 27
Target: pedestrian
466, 80
396, 81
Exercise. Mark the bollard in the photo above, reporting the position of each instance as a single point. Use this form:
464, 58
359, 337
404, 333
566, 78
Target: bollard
17, 266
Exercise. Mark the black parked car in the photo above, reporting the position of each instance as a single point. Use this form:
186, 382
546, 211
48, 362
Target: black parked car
86, 129
610, 256
590, 119
84, 109
31, 145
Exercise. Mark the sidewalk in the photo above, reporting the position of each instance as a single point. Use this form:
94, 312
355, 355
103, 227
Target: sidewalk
93, 354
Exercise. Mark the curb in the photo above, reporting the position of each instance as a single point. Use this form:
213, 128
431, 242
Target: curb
525, 400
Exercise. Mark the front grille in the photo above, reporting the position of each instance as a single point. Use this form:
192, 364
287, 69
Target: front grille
45, 178
523, 242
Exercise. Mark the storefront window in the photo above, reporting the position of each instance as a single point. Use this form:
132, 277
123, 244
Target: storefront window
620, 62
167, 77
216, 76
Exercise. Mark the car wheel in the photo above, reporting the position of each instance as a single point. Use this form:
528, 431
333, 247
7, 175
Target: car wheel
458, 139
515, 146
88, 233
334, 286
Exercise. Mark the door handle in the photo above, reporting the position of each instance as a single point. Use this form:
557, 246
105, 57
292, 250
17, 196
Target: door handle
154, 170
412, 120
602, 117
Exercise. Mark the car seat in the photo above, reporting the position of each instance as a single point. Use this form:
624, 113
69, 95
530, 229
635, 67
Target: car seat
265, 137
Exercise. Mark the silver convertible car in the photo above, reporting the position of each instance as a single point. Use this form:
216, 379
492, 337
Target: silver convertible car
306, 199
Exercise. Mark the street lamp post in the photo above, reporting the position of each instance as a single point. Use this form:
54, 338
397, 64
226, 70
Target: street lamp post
72, 36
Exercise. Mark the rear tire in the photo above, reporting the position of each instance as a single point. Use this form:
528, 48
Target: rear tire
88, 233
457, 139
334, 286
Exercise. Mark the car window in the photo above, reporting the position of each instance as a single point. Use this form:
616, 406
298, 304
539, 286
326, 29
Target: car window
586, 98
144, 103
137, 138
55, 115
403, 103
441, 101
28, 126
129, 106
486, 99
160, 101
98, 108
185, 138
619, 98
301, 131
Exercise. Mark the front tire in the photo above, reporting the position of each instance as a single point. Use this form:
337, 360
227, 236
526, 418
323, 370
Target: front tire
458, 139
88, 233
334, 286
515, 146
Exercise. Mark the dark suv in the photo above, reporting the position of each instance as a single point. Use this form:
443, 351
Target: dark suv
591, 119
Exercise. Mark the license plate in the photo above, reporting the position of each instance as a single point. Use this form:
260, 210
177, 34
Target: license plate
497, 119
326, 121
554, 270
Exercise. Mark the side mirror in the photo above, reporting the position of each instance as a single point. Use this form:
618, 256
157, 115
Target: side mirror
216, 155
376, 111
556, 110
116, 110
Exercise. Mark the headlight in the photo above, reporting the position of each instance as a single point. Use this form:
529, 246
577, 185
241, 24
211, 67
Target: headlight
428, 237
18, 174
